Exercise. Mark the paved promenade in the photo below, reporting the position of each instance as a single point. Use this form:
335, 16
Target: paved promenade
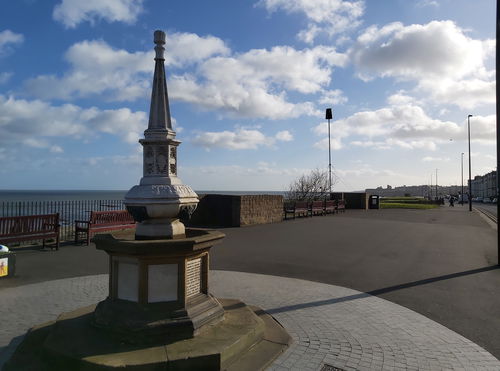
329, 324
431, 278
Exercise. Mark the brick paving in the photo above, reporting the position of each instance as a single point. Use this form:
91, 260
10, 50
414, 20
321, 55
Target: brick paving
332, 325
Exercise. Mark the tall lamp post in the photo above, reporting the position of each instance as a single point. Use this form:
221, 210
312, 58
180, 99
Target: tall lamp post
470, 180
436, 184
462, 172
497, 63
329, 116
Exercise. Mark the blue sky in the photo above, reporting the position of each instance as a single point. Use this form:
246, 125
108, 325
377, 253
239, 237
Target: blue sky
249, 81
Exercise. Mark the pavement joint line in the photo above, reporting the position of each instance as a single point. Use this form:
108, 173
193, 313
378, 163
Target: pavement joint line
488, 217
372, 331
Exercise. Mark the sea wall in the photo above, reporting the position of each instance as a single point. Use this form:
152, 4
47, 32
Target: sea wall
353, 200
218, 210
260, 209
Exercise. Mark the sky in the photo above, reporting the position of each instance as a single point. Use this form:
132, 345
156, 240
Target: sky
249, 82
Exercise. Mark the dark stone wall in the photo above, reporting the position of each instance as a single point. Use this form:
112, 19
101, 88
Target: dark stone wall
216, 210
353, 200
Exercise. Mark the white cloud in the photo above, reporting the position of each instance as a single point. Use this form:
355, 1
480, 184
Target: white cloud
284, 136
324, 16
366, 170
435, 159
333, 97
96, 68
183, 48
236, 99
72, 12
335, 144
42, 143
252, 84
404, 126
402, 122
56, 149
338, 130
239, 139
431, 50
130, 160
427, 3
400, 98
448, 66
466, 93
7, 39
255, 83
391, 143
34, 123
35, 143
482, 128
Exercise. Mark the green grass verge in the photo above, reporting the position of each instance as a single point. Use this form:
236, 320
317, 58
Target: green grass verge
403, 199
393, 205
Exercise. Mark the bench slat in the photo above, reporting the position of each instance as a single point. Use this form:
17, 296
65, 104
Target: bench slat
100, 221
29, 227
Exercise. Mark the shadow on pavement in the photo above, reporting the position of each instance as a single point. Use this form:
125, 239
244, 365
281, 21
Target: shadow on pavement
380, 291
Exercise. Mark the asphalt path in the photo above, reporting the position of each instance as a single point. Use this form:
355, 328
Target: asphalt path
489, 209
440, 263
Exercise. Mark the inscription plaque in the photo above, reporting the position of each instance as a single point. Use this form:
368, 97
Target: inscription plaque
193, 277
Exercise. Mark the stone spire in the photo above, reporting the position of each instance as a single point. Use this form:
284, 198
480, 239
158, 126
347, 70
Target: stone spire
160, 198
159, 112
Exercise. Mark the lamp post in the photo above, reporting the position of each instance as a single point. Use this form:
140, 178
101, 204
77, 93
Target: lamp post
497, 63
329, 116
470, 180
436, 184
462, 172
430, 189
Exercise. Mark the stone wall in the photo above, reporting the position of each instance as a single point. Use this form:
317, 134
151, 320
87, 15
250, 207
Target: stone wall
353, 200
260, 209
235, 211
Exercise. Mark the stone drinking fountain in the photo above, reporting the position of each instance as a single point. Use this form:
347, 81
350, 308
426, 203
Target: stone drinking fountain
159, 314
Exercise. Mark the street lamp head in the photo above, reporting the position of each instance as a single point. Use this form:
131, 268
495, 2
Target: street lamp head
469, 116
329, 115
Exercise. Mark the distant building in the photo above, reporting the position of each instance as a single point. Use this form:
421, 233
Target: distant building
417, 191
484, 186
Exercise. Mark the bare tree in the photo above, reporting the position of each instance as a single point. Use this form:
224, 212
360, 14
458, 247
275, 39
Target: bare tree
307, 187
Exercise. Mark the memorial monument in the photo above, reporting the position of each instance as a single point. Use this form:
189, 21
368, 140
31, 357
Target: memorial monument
159, 314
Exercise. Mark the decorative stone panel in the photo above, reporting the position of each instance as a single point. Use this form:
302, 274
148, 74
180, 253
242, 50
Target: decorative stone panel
193, 277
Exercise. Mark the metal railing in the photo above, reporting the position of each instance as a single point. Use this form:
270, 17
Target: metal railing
69, 211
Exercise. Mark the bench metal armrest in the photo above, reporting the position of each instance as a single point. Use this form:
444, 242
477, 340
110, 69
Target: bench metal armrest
77, 222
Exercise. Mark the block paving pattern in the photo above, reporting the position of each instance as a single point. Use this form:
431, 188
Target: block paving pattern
331, 325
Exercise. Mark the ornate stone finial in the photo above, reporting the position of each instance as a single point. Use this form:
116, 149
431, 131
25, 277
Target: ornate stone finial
159, 112
159, 40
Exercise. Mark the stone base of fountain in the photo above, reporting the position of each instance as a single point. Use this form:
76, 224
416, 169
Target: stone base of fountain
159, 315
246, 339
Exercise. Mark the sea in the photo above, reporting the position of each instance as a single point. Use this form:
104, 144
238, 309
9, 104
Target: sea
81, 195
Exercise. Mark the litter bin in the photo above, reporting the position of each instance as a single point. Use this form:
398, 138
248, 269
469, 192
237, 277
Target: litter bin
374, 202
7, 262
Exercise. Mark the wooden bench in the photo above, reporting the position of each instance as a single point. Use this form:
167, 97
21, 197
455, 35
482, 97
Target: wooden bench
102, 221
297, 208
29, 228
318, 207
331, 207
